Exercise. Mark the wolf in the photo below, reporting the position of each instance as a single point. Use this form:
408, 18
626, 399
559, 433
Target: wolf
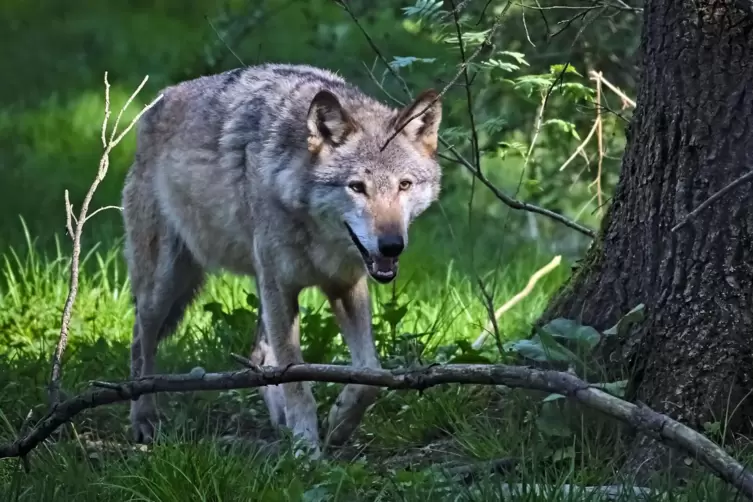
289, 174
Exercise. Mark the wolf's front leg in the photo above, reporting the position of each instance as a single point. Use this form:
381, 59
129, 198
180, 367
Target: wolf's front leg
352, 309
280, 317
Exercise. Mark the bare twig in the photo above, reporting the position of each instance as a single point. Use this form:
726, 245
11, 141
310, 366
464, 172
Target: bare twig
600, 140
580, 148
512, 202
103, 208
597, 129
718, 195
625, 99
479, 342
655, 425
76, 231
534, 139
467, 78
222, 39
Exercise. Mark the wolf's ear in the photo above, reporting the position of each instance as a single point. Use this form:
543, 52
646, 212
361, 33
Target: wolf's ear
424, 115
328, 122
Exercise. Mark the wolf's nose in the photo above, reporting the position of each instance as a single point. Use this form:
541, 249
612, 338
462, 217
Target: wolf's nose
391, 245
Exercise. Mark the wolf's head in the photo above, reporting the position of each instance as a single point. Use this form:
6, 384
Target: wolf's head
373, 171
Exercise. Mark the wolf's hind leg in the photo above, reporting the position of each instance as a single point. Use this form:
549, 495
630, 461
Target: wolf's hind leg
352, 309
164, 285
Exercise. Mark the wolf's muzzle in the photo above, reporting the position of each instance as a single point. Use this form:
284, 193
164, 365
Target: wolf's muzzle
383, 267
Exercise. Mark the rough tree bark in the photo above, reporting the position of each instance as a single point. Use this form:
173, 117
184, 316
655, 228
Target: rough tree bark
691, 135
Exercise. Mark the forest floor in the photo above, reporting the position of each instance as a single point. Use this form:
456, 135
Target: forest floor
451, 442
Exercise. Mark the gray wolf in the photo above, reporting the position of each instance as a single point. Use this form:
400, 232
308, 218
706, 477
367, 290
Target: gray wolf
275, 171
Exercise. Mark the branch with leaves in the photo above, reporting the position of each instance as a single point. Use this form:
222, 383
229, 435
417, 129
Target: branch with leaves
456, 156
656, 425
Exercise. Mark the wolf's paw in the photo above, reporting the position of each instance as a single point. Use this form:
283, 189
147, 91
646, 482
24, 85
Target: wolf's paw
348, 411
305, 448
145, 418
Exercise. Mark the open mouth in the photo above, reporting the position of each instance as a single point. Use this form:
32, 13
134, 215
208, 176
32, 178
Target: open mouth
380, 268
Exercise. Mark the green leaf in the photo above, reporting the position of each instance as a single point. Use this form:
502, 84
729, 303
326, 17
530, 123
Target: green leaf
532, 187
215, 309
529, 83
252, 301
404, 61
516, 146
501, 65
424, 9
550, 422
556, 69
393, 315
636, 314
563, 453
319, 493
555, 349
517, 56
564, 126
615, 388
552, 397
535, 350
493, 125
584, 336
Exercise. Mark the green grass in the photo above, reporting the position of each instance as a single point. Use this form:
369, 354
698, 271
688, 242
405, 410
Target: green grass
394, 455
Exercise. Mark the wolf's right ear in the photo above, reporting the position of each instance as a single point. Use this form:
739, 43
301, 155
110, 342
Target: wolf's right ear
420, 120
327, 122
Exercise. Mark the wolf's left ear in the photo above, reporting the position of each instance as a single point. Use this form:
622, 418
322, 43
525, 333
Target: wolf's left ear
424, 115
327, 122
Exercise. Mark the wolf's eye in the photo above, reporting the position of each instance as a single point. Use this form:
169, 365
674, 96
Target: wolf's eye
405, 185
357, 187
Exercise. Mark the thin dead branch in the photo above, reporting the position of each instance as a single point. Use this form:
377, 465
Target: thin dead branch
479, 342
718, 195
626, 101
649, 422
75, 225
600, 140
597, 129
510, 201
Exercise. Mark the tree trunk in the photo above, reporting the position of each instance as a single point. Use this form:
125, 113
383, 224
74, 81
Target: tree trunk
691, 135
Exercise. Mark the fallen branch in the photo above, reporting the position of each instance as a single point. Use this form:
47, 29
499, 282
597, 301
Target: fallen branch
515, 299
75, 227
649, 422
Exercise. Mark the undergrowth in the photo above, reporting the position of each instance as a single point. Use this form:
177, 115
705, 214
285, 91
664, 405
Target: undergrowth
431, 315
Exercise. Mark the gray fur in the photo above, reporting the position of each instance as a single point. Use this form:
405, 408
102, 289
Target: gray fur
260, 171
